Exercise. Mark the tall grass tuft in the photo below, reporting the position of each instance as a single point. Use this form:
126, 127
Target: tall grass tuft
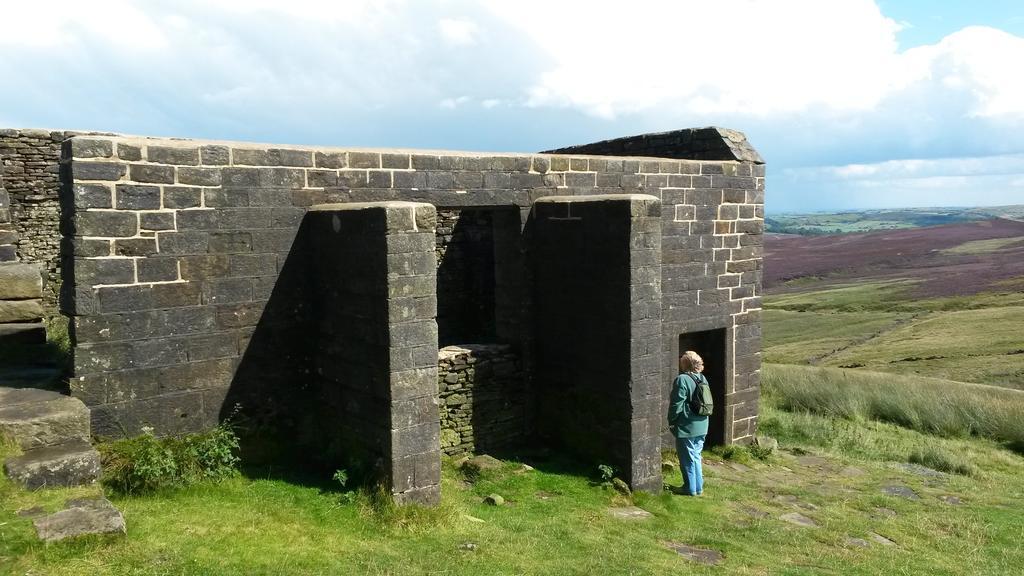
930, 405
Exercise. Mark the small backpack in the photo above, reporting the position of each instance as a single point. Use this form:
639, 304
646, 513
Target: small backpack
701, 401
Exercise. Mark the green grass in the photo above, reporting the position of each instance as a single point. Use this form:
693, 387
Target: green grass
929, 405
556, 520
875, 326
982, 345
799, 337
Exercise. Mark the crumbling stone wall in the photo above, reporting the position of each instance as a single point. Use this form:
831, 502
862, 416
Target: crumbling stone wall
29, 162
482, 397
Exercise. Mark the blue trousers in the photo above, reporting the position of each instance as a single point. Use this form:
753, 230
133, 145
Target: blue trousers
689, 450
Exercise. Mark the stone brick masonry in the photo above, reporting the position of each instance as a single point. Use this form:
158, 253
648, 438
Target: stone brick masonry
482, 398
186, 271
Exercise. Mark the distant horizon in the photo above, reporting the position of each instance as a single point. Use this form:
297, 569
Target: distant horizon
768, 211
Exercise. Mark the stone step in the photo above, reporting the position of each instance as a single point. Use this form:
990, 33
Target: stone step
19, 281
36, 418
43, 377
22, 334
21, 310
72, 463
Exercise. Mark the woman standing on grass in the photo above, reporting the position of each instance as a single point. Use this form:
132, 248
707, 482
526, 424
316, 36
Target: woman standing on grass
688, 427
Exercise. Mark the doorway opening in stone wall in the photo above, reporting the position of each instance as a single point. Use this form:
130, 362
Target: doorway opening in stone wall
482, 397
710, 345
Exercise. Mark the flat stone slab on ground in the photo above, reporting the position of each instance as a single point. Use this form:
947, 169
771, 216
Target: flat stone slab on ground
851, 472
951, 500
901, 492
881, 539
857, 542
754, 512
630, 513
73, 463
793, 501
81, 517
812, 461
921, 470
884, 513
482, 463
799, 520
700, 555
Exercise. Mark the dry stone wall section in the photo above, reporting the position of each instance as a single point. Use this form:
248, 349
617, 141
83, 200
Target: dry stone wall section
482, 398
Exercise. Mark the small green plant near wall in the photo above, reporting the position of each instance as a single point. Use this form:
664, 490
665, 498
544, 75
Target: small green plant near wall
146, 463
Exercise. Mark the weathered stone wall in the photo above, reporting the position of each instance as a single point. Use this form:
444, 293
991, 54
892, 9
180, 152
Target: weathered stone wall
376, 342
482, 398
29, 166
596, 263
177, 248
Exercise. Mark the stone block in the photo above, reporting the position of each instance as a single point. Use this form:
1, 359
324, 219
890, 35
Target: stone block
72, 463
156, 221
112, 270
82, 147
214, 155
35, 418
180, 155
135, 246
157, 269
199, 176
230, 242
241, 177
282, 177
148, 173
182, 196
129, 152
21, 310
20, 281
92, 196
132, 197
105, 224
98, 170
81, 518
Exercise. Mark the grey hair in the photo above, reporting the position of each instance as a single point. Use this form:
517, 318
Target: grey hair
694, 360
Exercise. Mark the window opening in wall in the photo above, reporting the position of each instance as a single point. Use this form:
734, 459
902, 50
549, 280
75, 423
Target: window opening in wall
710, 345
476, 249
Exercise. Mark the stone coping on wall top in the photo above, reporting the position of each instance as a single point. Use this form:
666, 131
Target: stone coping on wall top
598, 198
449, 352
190, 143
368, 205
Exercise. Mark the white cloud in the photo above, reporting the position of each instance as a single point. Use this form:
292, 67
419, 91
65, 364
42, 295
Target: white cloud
918, 168
453, 103
813, 83
457, 32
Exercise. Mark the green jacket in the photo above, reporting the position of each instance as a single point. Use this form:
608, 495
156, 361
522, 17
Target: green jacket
681, 421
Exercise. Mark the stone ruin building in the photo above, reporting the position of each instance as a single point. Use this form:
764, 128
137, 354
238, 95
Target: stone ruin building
390, 306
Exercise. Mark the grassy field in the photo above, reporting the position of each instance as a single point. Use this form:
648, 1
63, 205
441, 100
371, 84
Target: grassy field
876, 326
557, 519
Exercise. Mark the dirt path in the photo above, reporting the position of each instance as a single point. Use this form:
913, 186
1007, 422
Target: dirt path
817, 360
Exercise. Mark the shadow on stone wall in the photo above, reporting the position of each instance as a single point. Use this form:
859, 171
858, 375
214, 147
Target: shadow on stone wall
274, 387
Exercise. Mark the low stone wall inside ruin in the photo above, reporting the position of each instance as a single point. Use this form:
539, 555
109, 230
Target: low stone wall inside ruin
482, 398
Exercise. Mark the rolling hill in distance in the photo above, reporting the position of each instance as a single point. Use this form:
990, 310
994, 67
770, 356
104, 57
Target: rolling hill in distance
943, 301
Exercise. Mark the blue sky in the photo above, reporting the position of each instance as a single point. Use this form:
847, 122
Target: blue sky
854, 103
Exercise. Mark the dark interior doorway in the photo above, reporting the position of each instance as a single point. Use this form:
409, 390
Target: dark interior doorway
710, 345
